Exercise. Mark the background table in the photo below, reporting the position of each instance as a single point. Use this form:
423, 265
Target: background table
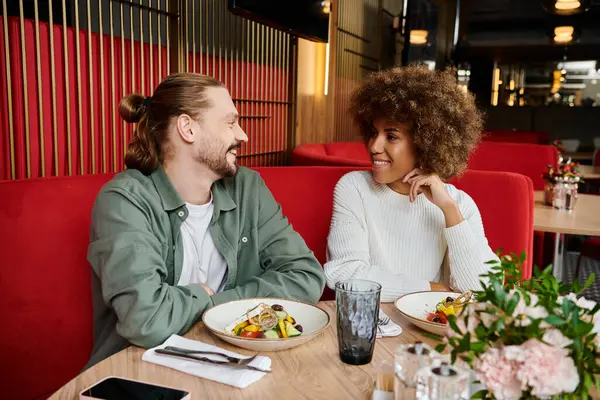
583, 220
589, 172
311, 371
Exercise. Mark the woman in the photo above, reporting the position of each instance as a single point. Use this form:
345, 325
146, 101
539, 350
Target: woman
400, 224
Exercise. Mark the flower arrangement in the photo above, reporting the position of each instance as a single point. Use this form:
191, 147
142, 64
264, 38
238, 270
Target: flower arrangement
528, 339
568, 171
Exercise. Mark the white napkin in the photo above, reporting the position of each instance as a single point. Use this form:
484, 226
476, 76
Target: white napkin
389, 329
240, 378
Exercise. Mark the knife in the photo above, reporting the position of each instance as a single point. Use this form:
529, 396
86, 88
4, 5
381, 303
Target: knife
209, 360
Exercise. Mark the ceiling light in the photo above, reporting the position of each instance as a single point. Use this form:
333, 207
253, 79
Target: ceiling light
564, 30
418, 37
567, 5
563, 39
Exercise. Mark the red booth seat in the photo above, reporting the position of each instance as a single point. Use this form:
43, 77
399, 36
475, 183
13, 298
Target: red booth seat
514, 136
528, 159
531, 160
45, 280
332, 154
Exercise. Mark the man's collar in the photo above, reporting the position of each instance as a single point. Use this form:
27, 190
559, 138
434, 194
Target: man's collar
171, 200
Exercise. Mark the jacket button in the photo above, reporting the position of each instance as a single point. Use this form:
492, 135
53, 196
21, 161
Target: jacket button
181, 214
244, 239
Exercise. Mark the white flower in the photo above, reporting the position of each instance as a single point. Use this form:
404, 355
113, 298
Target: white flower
555, 338
523, 311
580, 302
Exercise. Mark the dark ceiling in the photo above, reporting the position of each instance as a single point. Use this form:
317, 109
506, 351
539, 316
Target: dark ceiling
521, 31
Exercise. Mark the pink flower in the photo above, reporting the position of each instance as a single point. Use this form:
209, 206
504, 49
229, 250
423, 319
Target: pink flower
547, 370
498, 374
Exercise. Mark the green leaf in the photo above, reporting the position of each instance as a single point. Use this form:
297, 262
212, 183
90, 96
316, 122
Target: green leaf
441, 347
481, 332
512, 304
583, 329
482, 394
555, 320
555, 285
575, 317
499, 293
452, 322
567, 307
589, 281
478, 347
577, 286
587, 381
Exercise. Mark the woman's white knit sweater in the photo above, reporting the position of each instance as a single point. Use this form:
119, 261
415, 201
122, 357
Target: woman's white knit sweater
379, 235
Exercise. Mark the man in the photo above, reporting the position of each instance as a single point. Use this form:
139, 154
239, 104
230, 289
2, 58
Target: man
183, 228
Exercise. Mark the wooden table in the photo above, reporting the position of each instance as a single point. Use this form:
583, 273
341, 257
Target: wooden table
583, 220
589, 172
311, 371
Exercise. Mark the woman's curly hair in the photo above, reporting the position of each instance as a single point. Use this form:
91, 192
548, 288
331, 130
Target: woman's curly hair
444, 121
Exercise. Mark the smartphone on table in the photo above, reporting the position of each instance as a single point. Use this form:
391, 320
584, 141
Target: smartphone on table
115, 388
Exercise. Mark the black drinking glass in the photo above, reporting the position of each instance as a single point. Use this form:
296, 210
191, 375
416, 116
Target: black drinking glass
357, 304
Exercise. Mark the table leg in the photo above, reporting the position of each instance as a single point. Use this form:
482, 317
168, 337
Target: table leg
559, 252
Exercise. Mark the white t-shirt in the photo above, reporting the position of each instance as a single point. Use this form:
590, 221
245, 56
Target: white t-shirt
202, 262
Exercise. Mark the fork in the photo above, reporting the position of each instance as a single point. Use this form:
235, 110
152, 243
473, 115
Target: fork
383, 320
240, 364
229, 358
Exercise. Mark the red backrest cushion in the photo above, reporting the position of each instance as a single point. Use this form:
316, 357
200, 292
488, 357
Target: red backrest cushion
332, 154
516, 136
530, 160
505, 201
45, 282
306, 198
350, 150
597, 158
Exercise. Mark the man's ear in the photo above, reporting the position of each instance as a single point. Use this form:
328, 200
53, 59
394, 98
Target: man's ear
185, 125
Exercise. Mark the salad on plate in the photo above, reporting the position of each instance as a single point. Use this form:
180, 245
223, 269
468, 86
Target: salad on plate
449, 306
265, 322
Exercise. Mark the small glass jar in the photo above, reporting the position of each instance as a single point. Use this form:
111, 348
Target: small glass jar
443, 382
571, 194
410, 358
559, 196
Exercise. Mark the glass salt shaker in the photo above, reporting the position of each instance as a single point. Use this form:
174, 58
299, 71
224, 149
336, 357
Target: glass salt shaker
410, 358
442, 382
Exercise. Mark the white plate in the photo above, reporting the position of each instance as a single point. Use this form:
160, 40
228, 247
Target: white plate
313, 320
416, 306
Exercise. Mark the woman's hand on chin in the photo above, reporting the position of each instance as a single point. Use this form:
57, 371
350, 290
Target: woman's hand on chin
435, 191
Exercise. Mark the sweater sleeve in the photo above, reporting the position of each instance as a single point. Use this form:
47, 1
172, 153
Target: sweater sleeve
348, 246
468, 248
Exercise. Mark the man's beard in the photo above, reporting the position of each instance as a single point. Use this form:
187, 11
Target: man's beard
214, 157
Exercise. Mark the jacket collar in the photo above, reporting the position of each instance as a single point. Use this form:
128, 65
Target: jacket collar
171, 200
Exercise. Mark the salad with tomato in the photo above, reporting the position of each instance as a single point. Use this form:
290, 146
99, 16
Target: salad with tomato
265, 322
447, 307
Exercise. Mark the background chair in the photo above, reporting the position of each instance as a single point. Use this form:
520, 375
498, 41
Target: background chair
332, 154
